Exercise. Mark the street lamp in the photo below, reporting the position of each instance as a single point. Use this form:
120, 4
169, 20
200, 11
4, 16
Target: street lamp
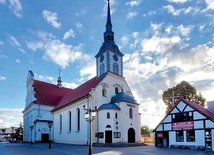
31, 128
49, 126
90, 116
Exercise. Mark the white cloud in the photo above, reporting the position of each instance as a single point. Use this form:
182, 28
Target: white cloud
16, 7
125, 40
51, 17
68, 34
210, 4
176, 12
3, 78
178, 1
17, 60
159, 44
2, 2
10, 117
79, 25
55, 50
1, 43
82, 12
14, 42
134, 2
131, 15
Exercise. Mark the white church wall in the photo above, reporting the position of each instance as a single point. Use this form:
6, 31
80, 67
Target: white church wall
74, 136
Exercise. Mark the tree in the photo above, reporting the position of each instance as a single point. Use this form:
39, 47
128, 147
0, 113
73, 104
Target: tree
182, 90
145, 130
19, 133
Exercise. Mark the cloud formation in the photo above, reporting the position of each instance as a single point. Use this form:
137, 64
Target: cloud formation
68, 34
16, 7
51, 17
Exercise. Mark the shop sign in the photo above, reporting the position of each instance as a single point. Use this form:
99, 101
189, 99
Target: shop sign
160, 135
182, 125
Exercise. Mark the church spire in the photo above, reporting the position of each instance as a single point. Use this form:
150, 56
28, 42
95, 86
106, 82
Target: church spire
108, 23
59, 81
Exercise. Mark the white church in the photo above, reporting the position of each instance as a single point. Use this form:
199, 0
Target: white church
107, 94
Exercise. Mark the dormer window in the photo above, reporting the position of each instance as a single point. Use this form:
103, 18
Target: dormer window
116, 90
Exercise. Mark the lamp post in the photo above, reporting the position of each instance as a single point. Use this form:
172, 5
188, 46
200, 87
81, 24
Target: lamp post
31, 128
49, 126
90, 116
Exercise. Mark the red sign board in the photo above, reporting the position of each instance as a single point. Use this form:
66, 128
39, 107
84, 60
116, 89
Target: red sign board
160, 135
182, 125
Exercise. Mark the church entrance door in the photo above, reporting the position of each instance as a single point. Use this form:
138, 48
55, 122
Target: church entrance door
45, 138
131, 135
108, 136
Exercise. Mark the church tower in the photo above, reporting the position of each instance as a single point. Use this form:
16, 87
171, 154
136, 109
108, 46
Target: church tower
109, 57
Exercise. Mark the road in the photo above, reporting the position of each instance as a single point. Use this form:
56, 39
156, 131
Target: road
66, 149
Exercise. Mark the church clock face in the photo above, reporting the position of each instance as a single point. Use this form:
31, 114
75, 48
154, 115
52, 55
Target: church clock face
101, 58
115, 57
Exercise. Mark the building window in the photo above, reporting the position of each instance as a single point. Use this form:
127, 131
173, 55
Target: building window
116, 115
102, 66
115, 68
69, 121
190, 135
182, 117
116, 90
60, 123
130, 113
117, 134
104, 91
78, 119
179, 136
108, 115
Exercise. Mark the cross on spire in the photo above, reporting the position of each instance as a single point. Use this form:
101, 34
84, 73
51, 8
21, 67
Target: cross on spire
173, 97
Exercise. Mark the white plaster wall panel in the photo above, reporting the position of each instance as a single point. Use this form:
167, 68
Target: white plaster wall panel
181, 106
212, 133
198, 124
188, 108
175, 110
159, 128
172, 138
197, 115
167, 119
167, 127
199, 138
209, 124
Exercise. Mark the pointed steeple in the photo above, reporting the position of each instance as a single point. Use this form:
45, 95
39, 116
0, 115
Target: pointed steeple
108, 23
109, 58
59, 81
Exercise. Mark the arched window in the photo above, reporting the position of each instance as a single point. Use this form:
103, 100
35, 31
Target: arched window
108, 115
78, 119
130, 113
69, 121
104, 91
116, 90
116, 115
60, 123
102, 66
115, 68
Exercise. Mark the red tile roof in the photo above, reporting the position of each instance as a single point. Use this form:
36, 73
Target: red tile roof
79, 92
49, 94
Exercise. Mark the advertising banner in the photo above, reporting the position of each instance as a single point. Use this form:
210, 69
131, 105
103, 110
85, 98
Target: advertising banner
182, 125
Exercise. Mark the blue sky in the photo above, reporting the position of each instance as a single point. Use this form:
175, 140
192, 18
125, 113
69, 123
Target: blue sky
164, 42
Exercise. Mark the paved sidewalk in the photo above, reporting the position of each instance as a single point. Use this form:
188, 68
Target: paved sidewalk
68, 149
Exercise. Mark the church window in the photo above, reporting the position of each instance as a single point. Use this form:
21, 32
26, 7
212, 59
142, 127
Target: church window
179, 136
190, 135
116, 115
102, 66
116, 90
130, 113
78, 119
69, 121
182, 117
108, 126
108, 37
60, 123
108, 115
115, 68
104, 91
